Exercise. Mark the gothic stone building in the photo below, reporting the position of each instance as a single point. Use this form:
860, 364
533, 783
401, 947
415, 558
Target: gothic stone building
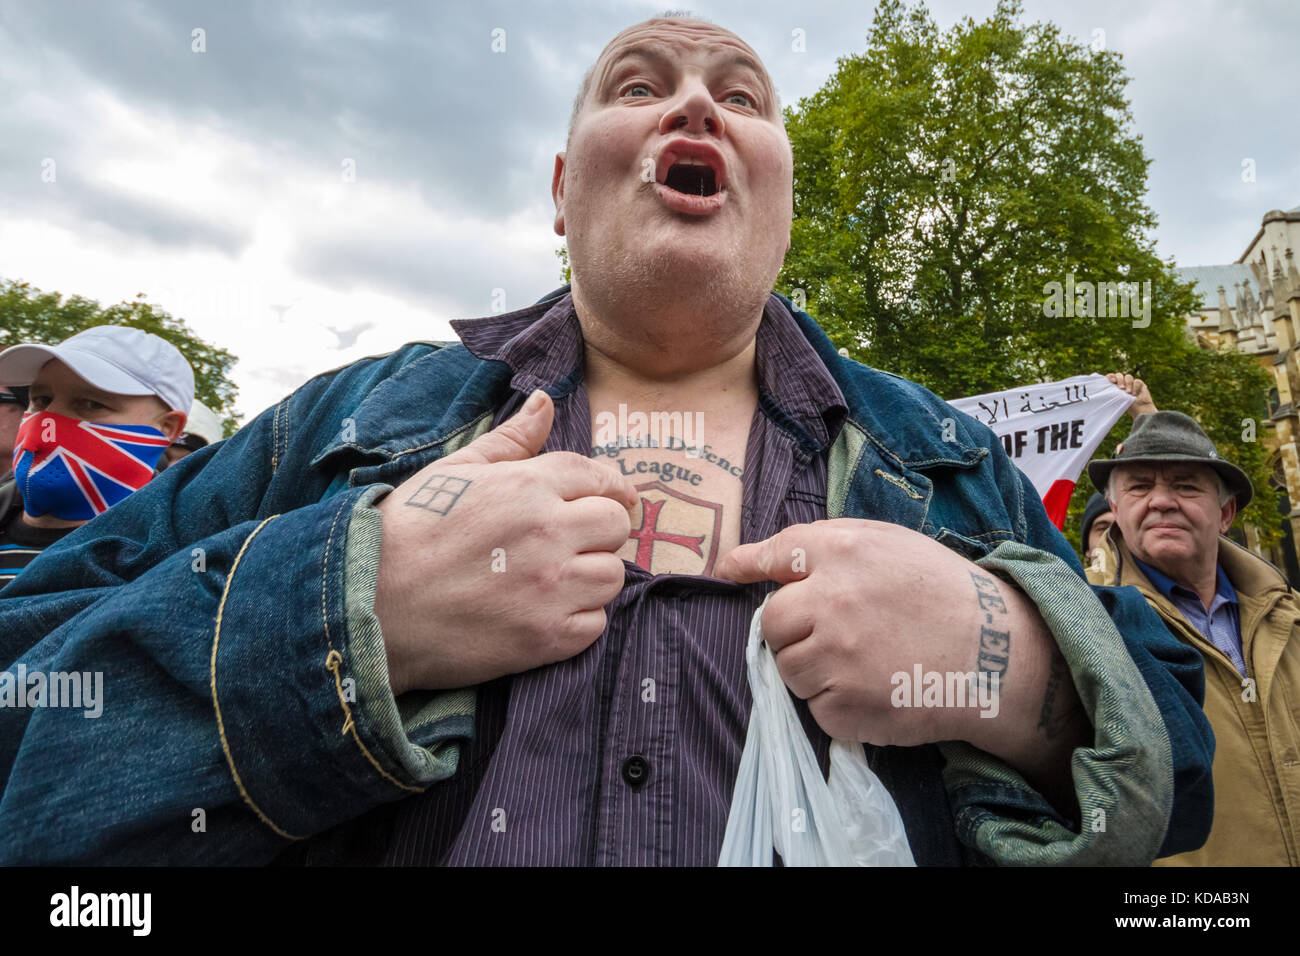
1253, 306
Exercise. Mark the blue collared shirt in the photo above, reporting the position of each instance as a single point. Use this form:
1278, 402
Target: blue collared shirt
1220, 625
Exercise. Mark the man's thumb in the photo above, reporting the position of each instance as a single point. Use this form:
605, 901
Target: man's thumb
746, 564
517, 438
767, 560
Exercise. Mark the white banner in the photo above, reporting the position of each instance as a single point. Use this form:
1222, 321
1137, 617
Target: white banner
1051, 430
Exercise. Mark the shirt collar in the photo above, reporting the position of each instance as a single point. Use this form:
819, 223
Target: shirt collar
797, 391
1165, 585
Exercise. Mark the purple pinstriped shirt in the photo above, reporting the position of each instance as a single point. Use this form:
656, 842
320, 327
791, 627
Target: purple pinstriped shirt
628, 752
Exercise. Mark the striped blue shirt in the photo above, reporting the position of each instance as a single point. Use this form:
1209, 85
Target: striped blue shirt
1220, 625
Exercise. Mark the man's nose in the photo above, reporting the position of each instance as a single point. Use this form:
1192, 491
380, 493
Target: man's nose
1162, 497
692, 110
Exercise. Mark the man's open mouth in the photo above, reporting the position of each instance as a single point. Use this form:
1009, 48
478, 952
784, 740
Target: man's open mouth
692, 168
692, 178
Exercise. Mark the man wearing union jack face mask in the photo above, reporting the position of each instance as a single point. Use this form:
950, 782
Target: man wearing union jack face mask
103, 406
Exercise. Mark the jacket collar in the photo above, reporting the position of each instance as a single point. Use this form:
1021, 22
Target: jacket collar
1260, 588
1249, 575
392, 418
1165, 584
885, 407
796, 389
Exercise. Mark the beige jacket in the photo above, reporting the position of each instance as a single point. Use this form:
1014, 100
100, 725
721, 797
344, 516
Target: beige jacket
1255, 716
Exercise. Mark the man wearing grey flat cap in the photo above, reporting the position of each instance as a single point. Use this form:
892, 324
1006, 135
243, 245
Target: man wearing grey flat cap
1173, 498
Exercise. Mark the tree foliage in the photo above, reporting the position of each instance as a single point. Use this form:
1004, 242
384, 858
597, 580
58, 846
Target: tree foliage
566, 270
943, 179
29, 315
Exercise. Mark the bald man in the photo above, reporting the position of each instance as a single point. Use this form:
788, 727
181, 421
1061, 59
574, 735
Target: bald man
487, 603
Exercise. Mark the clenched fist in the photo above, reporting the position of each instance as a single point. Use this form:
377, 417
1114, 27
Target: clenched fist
496, 559
863, 601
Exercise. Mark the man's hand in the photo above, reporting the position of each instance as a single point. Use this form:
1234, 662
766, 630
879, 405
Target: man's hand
1137, 388
866, 601
496, 560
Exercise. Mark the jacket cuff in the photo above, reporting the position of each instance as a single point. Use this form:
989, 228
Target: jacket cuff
1123, 782
417, 730
305, 718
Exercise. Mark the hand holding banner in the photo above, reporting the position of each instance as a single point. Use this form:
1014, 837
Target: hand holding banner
1051, 430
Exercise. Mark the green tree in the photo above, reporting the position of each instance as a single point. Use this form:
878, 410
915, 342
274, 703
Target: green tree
29, 315
944, 179
566, 270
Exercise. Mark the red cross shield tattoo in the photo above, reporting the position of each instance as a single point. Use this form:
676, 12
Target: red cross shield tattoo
672, 532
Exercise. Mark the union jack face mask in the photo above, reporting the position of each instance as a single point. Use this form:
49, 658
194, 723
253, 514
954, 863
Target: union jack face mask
74, 470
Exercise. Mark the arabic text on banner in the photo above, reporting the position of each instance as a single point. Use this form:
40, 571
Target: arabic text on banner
1051, 430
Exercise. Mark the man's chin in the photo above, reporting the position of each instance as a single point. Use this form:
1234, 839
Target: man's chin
667, 270
678, 270
1163, 551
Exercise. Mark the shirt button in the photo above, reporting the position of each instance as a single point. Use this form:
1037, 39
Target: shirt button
636, 769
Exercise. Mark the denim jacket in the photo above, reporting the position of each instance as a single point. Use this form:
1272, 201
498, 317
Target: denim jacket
229, 606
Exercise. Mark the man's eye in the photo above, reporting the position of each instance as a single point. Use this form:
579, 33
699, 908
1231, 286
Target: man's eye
632, 90
743, 97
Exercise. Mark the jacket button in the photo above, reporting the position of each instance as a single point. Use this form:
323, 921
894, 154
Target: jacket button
636, 769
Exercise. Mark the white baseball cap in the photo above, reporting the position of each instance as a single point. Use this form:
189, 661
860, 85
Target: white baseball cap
114, 358
202, 422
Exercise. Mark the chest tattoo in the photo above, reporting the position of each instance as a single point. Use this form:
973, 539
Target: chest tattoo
701, 456
673, 532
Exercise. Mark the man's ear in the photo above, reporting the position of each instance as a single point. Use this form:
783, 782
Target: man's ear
172, 424
1227, 513
557, 193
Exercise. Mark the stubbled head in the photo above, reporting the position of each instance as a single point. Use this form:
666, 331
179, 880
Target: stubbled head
584, 88
677, 180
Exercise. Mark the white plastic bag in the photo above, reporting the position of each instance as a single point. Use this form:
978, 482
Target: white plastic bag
781, 799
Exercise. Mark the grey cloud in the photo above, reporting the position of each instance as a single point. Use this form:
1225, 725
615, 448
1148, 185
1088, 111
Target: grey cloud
77, 204
411, 90
161, 224
431, 268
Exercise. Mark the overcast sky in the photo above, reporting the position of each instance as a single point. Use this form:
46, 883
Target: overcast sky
214, 182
